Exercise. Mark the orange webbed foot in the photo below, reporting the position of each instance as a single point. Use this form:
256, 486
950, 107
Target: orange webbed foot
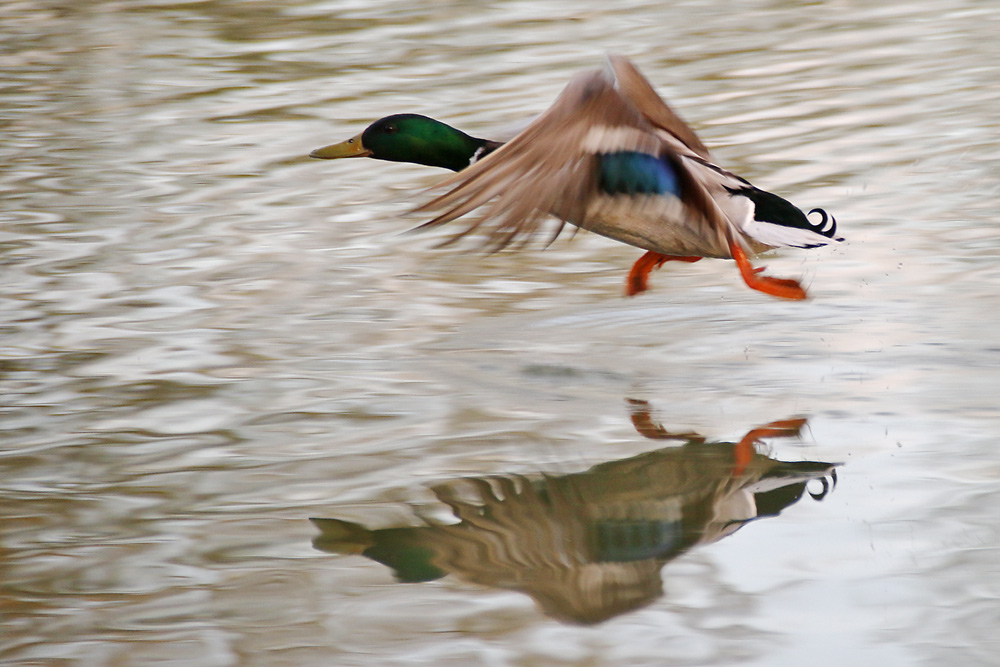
647, 428
638, 277
746, 447
783, 288
783, 428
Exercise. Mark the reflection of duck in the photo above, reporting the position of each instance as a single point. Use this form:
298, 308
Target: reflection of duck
609, 156
589, 546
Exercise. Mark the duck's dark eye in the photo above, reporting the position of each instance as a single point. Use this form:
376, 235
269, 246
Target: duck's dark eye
389, 129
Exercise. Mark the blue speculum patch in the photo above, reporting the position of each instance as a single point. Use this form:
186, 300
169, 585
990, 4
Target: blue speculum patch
635, 173
625, 541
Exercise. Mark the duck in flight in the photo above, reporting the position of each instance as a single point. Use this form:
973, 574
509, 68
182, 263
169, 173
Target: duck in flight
609, 156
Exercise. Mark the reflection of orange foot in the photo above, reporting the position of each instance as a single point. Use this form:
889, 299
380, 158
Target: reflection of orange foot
647, 428
783, 288
744, 452
639, 275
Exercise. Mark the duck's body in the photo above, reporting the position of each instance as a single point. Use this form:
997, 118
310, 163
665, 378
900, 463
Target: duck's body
611, 157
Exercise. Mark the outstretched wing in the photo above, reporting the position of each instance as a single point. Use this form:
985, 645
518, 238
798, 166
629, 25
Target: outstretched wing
636, 88
608, 136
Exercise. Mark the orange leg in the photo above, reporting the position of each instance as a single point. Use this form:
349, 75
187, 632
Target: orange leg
783, 288
745, 448
637, 277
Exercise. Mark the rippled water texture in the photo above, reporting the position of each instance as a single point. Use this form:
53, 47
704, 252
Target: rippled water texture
209, 339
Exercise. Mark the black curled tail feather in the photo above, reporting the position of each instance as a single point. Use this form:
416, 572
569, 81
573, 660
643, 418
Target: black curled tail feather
827, 225
771, 209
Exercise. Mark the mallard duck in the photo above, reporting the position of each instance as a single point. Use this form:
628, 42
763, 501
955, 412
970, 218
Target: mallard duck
609, 156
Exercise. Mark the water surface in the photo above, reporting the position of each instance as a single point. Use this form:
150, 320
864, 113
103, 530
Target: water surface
209, 338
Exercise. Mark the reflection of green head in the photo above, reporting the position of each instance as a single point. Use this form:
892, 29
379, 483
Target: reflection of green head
405, 550
411, 138
401, 549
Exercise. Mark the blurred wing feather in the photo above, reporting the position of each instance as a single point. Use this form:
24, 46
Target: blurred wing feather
551, 168
637, 89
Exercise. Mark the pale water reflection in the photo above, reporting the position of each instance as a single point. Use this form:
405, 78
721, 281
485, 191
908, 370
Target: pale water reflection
209, 337
589, 546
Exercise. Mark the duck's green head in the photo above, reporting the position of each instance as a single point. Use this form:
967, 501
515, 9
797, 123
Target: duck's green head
410, 138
